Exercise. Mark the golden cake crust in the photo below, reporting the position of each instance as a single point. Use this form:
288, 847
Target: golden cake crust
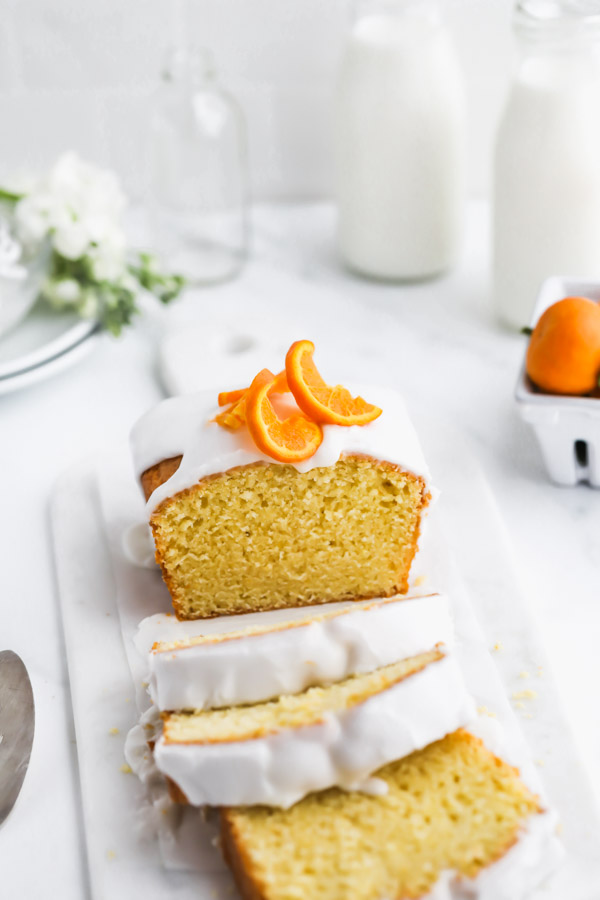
234, 852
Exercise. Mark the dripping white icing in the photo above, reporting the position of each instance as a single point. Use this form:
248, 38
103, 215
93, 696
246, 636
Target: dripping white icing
183, 426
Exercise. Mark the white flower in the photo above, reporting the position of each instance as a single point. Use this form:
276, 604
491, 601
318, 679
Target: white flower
107, 262
71, 240
89, 306
78, 204
129, 283
61, 292
32, 217
107, 258
67, 290
86, 188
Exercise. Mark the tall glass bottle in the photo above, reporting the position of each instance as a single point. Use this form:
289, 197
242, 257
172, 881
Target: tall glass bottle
547, 161
199, 179
400, 142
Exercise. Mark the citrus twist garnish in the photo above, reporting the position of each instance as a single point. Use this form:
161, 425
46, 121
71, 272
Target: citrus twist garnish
234, 417
320, 401
286, 440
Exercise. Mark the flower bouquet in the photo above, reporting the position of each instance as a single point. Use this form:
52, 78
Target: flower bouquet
75, 212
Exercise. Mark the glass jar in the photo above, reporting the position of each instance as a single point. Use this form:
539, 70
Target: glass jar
400, 122
547, 160
199, 183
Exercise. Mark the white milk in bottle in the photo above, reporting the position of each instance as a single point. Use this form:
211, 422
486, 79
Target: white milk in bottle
547, 165
400, 142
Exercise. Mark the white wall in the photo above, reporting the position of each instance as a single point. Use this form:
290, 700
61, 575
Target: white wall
80, 74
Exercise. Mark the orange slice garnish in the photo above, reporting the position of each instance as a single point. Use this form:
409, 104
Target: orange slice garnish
227, 397
286, 440
323, 403
234, 417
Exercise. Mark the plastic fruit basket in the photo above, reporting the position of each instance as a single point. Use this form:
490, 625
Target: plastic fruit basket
567, 428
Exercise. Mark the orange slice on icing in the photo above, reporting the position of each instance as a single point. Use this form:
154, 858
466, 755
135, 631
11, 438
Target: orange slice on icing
286, 440
234, 417
323, 403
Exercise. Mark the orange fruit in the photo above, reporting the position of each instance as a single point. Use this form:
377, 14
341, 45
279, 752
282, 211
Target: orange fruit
226, 397
286, 440
563, 356
280, 387
234, 417
320, 401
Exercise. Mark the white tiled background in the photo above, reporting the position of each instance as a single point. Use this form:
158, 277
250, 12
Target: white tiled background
80, 74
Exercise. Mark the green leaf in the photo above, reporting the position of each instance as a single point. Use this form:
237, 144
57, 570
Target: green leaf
10, 196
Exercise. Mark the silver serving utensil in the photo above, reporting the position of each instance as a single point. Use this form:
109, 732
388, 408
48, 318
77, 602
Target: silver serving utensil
17, 724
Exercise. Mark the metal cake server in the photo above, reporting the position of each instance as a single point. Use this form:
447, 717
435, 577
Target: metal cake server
17, 724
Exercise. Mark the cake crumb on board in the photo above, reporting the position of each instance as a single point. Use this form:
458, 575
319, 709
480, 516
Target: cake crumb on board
527, 694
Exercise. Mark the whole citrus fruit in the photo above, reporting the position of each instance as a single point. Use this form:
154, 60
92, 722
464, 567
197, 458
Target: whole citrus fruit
564, 351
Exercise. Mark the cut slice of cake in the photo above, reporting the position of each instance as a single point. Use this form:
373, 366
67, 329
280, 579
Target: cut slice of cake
455, 822
236, 531
277, 752
259, 662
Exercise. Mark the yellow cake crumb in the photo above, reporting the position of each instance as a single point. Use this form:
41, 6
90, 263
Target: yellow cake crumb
524, 674
268, 537
420, 580
484, 711
110, 854
126, 769
519, 705
288, 711
498, 646
113, 731
527, 694
452, 806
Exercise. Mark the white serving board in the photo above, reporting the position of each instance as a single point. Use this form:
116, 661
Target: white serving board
93, 573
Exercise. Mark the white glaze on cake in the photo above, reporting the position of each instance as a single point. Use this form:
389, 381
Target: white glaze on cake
524, 867
343, 748
236, 668
184, 426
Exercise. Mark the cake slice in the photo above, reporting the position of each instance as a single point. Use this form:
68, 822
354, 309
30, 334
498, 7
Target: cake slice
236, 531
455, 822
286, 656
277, 752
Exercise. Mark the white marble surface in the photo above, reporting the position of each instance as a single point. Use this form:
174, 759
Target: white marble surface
450, 360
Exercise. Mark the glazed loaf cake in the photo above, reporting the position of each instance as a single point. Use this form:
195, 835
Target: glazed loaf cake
277, 752
455, 821
308, 647
237, 532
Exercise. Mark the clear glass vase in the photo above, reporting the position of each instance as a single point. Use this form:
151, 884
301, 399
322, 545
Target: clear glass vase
198, 172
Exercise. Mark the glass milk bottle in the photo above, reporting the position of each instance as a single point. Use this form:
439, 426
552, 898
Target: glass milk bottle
400, 142
547, 164
199, 189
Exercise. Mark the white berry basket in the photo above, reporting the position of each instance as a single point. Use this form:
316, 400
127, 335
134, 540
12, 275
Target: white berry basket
567, 428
